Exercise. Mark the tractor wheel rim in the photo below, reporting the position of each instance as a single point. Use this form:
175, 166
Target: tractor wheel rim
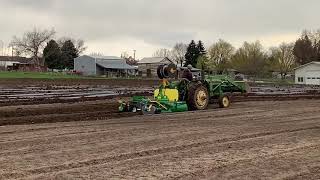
201, 98
225, 102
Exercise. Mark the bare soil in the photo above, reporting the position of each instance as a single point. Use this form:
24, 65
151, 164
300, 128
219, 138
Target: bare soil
16, 83
15, 92
250, 140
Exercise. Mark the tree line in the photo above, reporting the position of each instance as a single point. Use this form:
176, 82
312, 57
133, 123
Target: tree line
250, 59
56, 54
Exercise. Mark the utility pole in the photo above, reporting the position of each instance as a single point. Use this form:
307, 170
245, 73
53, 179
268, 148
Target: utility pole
1, 46
134, 54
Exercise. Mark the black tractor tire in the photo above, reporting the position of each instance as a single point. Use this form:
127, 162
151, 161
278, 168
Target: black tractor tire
198, 96
225, 101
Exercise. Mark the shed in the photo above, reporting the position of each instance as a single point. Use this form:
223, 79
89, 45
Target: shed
16, 63
148, 66
110, 66
308, 74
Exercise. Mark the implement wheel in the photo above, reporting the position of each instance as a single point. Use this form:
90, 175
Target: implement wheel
224, 101
198, 97
148, 110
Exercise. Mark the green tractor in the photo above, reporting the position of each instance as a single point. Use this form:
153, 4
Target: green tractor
182, 94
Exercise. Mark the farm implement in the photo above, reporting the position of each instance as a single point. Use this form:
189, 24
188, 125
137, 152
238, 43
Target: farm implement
180, 95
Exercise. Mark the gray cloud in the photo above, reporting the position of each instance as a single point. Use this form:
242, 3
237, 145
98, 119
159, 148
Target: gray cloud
161, 23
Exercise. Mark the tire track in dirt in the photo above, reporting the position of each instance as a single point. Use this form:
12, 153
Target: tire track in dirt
185, 121
147, 153
143, 122
50, 116
210, 172
155, 117
16, 120
203, 114
311, 173
172, 165
125, 121
53, 118
19, 144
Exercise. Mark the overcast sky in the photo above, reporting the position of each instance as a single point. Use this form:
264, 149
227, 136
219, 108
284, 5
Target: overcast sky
113, 26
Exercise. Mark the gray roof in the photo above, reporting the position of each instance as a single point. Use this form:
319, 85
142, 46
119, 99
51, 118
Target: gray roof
151, 60
106, 57
313, 62
15, 59
111, 62
114, 64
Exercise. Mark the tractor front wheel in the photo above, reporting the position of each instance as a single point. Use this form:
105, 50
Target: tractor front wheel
224, 101
198, 97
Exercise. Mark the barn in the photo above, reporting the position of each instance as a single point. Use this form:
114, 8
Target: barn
308, 74
148, 66
109, 66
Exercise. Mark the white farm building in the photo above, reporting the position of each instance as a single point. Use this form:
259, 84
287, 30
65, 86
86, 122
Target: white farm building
308, 74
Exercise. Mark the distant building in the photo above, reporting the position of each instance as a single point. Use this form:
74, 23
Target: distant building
308, 74
8, 61
147, 67
16, 63
110, 66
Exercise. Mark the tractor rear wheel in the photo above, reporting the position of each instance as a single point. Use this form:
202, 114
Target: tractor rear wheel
224, 101
198, 97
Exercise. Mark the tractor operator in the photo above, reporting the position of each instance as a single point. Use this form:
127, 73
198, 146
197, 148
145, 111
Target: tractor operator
187, 74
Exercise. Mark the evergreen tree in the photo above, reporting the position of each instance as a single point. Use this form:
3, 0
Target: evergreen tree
192, 54
304, 50
69, 52
202, 49
52, 55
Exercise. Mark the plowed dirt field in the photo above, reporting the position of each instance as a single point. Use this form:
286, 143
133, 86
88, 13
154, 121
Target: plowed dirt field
90, 140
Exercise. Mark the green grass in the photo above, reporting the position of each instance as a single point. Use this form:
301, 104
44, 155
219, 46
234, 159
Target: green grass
37, 75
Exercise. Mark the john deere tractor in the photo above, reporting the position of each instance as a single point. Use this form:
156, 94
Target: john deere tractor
181, 94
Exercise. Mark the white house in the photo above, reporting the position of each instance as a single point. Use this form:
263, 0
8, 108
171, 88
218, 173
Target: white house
5, 64
308, 74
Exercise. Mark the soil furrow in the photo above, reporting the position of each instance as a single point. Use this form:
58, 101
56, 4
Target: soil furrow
152, 152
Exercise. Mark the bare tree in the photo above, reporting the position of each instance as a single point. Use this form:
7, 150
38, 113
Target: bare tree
162, 53
124, 55
250, 59
178, 53
78, 43
314, 35
96, 54
284, 59
32, 42
220, 55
